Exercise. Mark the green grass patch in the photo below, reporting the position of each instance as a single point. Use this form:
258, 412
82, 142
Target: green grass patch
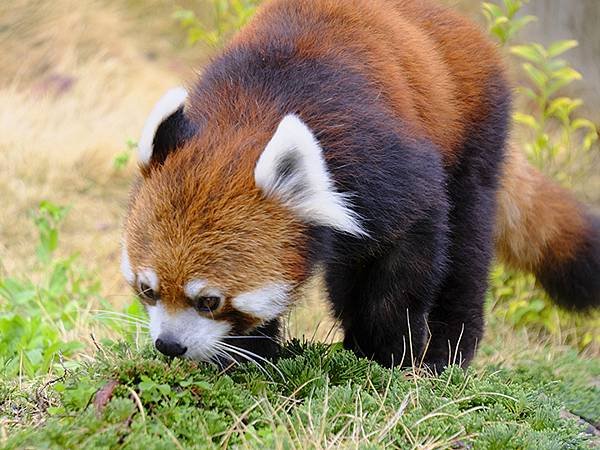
314, 397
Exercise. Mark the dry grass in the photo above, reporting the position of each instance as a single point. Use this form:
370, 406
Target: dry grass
68, 102
77, 81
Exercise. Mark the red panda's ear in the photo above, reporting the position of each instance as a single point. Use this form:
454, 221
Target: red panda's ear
166, 129
293, 170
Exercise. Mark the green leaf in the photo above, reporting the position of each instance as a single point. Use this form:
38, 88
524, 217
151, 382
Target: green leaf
563, 107
518, 24
512, 7
185, 17
493, 10
567, 74
528, 92
526, 119
555, 86
527, 52
560, 47
589, 140
539, 78
555, 65
583, 123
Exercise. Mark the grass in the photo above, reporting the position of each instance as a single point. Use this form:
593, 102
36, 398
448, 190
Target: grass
74, 377
527, 389
317, 396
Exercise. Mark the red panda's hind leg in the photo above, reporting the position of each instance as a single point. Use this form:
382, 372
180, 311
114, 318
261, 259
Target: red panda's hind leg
457, 320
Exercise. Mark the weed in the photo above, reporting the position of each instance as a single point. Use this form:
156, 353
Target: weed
122, 159
228, 17
38, 315
34, 317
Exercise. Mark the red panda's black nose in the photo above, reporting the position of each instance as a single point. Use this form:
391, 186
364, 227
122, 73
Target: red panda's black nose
170, 347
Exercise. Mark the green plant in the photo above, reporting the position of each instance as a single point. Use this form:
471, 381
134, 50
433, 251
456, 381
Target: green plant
228, 17
47, 219
40, 314
502, 21
122, 159
516, 299
35, 316
327, 398
554, 139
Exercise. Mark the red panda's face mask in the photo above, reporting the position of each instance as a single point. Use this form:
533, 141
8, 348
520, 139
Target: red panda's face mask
209, 260
215, 237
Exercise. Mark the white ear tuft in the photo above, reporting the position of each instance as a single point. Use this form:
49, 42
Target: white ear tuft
170, 102
292, 169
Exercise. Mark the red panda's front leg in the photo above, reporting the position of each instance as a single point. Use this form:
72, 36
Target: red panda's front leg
384, 302
457, 320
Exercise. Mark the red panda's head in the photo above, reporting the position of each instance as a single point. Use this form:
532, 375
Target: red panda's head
216, 232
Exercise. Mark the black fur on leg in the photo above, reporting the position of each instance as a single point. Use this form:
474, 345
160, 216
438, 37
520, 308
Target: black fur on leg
457, 320
385, 301
401, 196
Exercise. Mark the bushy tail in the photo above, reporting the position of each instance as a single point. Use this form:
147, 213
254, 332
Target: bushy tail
542, 229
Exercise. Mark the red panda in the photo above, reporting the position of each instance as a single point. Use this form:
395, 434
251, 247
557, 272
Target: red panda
363, 138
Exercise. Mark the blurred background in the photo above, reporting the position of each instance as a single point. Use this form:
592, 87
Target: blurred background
78, 77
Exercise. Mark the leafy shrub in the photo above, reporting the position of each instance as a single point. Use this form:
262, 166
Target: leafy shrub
228, 17
40, 314
554, 140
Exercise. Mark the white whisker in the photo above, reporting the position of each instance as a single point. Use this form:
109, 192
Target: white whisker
250, 360
224, 355
235, 350
267, 337
124, 321
252, 354
113, 317
248, 337
101, 312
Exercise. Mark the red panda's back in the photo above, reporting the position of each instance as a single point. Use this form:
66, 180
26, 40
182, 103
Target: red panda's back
429, 64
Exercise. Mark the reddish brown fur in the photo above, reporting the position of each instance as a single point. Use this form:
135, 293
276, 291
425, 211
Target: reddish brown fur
428, 61
538, 222
429, 65
228, 229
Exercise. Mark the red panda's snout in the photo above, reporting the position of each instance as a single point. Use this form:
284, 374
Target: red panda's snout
200, 318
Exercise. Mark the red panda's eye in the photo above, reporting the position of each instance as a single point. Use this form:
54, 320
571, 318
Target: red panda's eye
147, 294
206, 304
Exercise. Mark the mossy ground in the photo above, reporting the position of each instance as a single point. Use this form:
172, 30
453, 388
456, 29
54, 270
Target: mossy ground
316, 396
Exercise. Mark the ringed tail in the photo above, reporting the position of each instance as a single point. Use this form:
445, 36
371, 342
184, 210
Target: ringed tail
544, 230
